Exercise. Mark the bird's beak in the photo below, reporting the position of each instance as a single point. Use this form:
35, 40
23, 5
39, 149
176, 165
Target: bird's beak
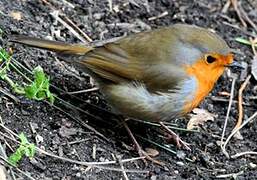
236, 64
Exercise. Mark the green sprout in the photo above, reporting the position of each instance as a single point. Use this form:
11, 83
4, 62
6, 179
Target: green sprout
37, 89
25, 149
244, 41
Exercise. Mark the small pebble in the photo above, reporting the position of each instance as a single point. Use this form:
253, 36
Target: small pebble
180, 163
252, 165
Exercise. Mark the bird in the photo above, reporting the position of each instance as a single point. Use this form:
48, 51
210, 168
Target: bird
155, 75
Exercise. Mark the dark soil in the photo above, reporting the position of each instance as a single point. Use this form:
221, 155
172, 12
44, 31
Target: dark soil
59, 129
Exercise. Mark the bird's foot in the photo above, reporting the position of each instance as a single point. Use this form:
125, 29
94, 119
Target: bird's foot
140, 151
173, 136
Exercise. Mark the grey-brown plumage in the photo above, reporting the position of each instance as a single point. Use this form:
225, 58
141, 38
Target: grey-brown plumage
144, 75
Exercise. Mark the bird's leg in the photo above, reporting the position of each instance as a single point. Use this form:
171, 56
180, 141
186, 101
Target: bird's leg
141, 152
175, 137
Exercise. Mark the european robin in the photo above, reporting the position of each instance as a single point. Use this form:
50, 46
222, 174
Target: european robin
154, 76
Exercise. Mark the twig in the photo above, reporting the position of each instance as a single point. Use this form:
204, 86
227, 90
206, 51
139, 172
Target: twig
246, 17
94, 152
158, 125
253, 45
85, 37
226, 6
240, 103
122, 167
240, 127
78, 29
93, 164
160, 146
229, 108
3, 154
238, 12
165, 13
9, 95
76, 142
234, 175
110, 5
68, 4
220, 99
77, 120
59, 19
238, 28
84, 91
243, 154
253, 97
19, 170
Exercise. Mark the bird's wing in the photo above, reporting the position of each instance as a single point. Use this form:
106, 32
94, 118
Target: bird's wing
144, 57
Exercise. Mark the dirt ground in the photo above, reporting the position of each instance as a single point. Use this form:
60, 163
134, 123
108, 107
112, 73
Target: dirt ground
60, 130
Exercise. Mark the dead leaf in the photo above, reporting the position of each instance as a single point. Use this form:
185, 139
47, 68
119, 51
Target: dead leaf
67, 132
254, 67
238, 136
199, 117
152, 152
16, 15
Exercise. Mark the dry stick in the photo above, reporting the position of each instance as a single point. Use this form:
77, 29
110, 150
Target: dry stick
75, 33
87, 38
240, 103
165, 13
83, 91
19, 170
237, 127
96, 164
238, 28
68, 4
93, 164
253, 42
226, 6
110, 5
80, 121
78, 29
3, 154
9, 95
122, 167
221, 99
230, 176
229, 108
238, 12
253, 97
235, 131
246, 17
243, 154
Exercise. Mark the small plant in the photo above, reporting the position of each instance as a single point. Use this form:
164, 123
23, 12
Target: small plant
25, 149
37, 89
244, 41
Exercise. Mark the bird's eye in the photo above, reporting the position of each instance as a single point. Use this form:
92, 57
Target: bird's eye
210, 59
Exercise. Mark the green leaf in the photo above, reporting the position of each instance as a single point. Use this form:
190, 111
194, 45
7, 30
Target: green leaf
39, 88
244, 41
30, 91
4, 55
25, 149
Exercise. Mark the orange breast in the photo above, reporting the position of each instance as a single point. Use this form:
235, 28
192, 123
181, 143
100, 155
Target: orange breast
206, 78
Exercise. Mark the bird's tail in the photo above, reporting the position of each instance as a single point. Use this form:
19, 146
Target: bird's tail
55, 46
